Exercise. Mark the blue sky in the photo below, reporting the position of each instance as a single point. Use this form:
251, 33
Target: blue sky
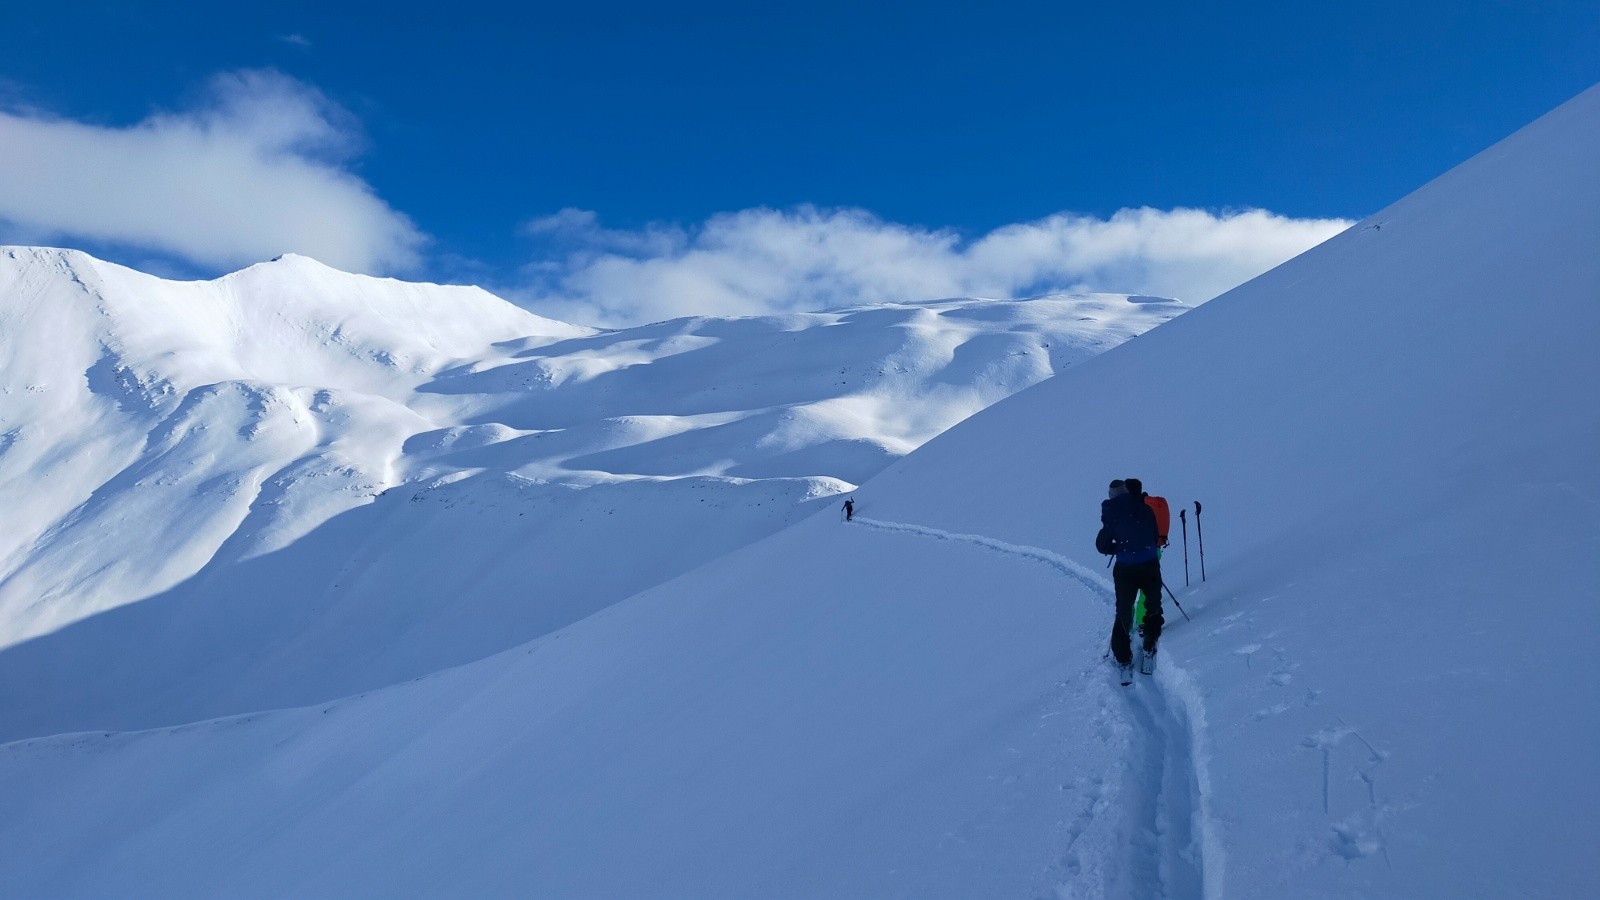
463, 123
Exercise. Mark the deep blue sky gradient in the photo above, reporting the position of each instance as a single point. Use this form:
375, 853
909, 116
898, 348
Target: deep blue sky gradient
966, 115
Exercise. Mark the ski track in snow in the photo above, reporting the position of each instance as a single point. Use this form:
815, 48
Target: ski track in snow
1170, 851
1081, 574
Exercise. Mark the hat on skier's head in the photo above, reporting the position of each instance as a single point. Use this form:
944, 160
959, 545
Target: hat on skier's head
1134, 486
1118, 488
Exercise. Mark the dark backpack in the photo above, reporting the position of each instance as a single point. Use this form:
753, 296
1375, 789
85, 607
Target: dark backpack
1129, 527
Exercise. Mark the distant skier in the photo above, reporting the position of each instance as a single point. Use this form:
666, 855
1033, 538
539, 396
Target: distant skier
1128, 531
850, 509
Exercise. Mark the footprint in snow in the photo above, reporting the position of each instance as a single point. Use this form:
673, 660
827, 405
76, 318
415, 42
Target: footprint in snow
1269, 712
1247, 651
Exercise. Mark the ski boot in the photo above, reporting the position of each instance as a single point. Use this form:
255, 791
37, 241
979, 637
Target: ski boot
1147, 663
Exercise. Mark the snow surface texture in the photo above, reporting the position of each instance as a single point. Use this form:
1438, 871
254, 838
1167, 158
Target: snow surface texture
1394, 436
317, 483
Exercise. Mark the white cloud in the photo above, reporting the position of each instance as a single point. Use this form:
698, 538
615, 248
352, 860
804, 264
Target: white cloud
578, 231
259, 169
763, 260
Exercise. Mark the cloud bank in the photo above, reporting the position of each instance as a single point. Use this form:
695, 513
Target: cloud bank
257, 169
763, 260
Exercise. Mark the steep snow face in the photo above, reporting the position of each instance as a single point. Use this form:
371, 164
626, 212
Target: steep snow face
1394, 438
319, 483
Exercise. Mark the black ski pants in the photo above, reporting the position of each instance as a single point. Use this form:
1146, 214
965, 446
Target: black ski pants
1130, 579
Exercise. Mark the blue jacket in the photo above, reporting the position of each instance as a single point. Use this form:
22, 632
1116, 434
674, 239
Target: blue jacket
1128, 529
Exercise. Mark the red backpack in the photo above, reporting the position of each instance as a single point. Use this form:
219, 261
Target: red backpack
1158, 505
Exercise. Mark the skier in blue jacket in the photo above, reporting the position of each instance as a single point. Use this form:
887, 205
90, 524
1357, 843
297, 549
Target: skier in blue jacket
1128, 531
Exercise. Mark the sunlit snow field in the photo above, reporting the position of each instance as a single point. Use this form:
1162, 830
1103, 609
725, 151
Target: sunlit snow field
508, 607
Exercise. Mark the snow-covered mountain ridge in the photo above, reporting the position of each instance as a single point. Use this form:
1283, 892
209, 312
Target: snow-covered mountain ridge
316, 483
1376, 696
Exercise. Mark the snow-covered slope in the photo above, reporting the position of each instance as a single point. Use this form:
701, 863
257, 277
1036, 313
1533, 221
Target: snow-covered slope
144, 422
1394, 437
316, 483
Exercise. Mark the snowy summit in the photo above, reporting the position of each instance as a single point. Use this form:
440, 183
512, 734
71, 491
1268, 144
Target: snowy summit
305, 455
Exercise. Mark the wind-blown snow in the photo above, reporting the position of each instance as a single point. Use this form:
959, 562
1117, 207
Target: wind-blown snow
1394, 438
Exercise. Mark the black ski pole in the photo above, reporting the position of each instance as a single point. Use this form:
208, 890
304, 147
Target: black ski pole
1201, 537
1183, 516
1176, 603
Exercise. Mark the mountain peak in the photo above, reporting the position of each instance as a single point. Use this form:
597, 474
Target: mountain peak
299, 259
